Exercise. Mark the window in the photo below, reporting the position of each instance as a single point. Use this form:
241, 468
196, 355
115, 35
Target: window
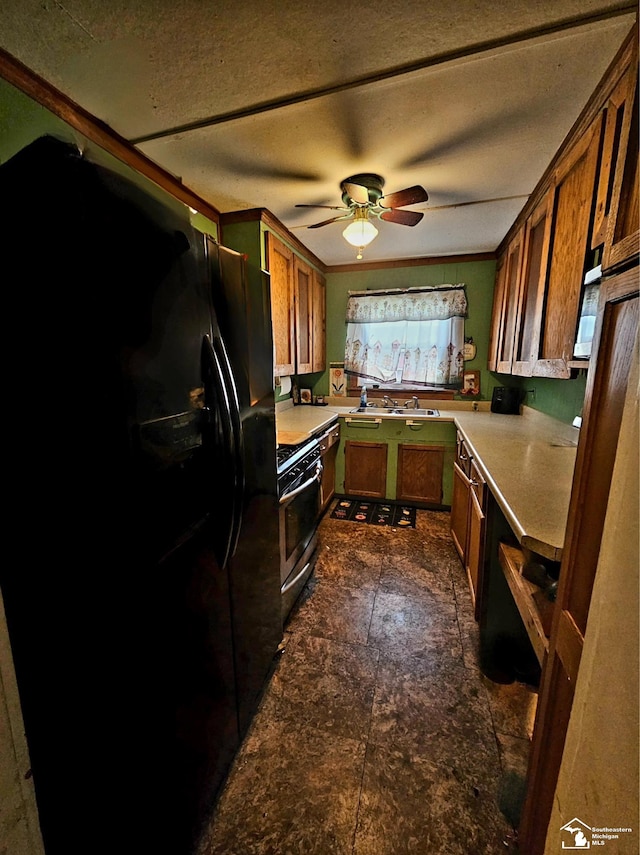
411, 338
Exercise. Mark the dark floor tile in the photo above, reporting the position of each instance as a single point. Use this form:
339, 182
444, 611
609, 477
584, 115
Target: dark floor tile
514, 753
326, 684
513, 707
469, 629
408, 575
404, 625
380, 654
348, 533
333, 611
411, 805
433, 524
290, 791
438, 710
403, 543
350, 565
514, 761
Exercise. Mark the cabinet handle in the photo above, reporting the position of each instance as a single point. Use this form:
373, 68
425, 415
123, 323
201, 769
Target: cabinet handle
412, 423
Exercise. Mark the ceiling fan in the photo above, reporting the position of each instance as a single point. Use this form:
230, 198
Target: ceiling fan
362, 198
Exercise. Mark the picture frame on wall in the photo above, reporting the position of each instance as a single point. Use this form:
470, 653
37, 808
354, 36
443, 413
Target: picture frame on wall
470, 383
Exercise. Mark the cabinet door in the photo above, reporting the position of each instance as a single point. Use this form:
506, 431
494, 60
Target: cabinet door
535, 256
460, 511
318, 338
329, 451
327, 485
420, 470
495, 333
622, 241
510, 303
365, 469
617, 105
282, 305
474, 558
303, 278
573, 190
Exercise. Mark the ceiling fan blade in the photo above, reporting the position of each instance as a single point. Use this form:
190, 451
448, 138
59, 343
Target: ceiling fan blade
327, 207
356, 192
403, 218
409, 196
332, 220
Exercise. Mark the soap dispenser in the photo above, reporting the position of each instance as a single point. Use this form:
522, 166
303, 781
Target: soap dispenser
363, 396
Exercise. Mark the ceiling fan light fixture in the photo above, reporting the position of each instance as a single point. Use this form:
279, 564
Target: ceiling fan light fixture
361, 231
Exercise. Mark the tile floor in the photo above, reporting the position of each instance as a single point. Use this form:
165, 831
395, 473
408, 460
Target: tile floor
377, 733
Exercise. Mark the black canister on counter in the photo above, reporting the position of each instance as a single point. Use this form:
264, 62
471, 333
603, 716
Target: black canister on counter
506, 400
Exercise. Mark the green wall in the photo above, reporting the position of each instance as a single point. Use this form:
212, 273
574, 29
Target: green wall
562, 399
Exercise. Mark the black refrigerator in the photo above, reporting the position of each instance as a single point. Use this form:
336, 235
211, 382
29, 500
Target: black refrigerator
142, 596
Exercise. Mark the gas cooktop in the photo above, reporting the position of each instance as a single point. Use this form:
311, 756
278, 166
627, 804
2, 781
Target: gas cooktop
289, 455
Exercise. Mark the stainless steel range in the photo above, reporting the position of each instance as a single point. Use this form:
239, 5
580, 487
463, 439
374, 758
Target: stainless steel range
299, 474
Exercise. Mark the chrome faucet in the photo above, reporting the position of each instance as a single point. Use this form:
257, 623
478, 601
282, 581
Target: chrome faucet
413, 402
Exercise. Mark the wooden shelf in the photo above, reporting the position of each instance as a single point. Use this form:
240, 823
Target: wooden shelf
512, 560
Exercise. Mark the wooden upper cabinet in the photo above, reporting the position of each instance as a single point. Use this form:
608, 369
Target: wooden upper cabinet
297, 310
510, 300
495, 331
573, 194
303, 278
585, 209
319, 331
533, 276
281, 270
621, 239
614, 117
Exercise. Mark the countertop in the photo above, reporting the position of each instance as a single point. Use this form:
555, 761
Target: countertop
526, 460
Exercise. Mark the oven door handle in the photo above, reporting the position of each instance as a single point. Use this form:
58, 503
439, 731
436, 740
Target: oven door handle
291, 584
316, 477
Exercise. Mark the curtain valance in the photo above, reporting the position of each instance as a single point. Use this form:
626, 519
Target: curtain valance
415, 304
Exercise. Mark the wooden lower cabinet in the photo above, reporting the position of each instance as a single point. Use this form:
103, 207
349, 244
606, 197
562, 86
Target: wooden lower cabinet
476, 528
460, 511
329, 452
468, 520
365, 469
420, 473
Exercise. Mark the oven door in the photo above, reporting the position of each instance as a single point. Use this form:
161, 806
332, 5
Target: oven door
299, 512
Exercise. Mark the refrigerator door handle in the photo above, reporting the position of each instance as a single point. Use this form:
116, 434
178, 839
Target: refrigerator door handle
221, 398
236, 426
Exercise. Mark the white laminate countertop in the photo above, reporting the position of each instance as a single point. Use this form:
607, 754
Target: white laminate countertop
528, 463
527, 460
295, 424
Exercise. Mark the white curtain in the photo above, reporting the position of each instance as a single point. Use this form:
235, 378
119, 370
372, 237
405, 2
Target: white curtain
414, 337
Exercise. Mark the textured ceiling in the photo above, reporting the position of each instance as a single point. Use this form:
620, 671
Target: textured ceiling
269, 104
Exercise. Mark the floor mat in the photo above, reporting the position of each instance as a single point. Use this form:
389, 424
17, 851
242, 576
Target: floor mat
376, 513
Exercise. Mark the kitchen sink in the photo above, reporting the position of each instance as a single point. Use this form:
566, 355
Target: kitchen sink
396, 411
